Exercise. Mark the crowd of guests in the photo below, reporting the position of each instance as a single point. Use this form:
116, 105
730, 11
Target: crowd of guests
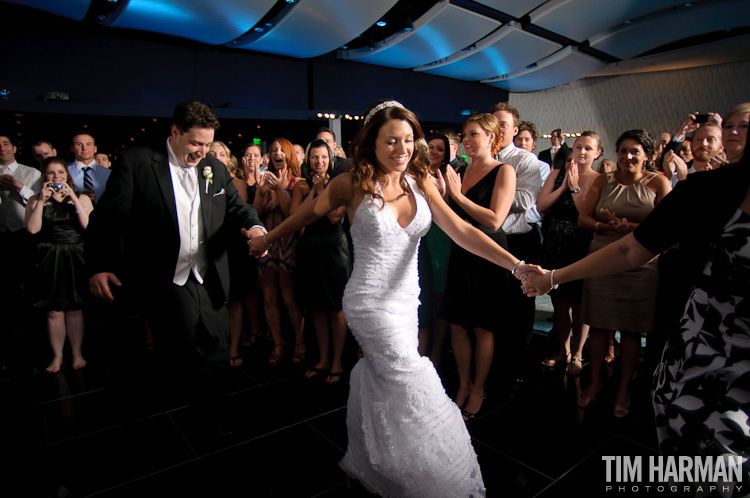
553, 209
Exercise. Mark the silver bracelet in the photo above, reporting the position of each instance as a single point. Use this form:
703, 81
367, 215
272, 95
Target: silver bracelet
513, 271
264, 241
551, 280
81, 211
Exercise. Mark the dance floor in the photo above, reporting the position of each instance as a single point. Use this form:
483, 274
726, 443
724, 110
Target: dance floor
109, 430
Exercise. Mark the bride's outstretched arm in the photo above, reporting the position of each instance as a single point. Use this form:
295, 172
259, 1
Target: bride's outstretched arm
472, 239
336, 194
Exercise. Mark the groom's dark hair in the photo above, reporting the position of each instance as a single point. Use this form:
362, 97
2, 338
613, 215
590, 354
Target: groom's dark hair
192, 113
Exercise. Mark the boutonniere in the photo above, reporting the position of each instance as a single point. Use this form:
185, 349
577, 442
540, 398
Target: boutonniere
208, 174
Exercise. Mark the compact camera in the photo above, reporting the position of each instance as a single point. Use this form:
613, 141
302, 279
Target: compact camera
56, 186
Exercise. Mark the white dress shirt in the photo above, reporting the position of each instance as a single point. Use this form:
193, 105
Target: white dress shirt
532, 215
528, 186
13, 202
192, 256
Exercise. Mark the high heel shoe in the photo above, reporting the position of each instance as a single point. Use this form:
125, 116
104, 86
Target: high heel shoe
554, 360
299, 353
469, 416
575, 367
277, 355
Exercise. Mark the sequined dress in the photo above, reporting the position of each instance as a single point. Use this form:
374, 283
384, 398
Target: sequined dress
406, 437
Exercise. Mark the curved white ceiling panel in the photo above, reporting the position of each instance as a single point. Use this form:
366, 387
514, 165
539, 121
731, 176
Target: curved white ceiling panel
561, 68
505, 51
316, 27
581, 19
513, 7
74, 9
208, 21
443, 30
630, 40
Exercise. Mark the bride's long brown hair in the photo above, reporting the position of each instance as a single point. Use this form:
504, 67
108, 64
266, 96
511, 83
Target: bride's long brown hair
364, 161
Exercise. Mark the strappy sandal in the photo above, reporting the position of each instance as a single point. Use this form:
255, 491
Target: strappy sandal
554, 360
299, 353
575, 367
277, 355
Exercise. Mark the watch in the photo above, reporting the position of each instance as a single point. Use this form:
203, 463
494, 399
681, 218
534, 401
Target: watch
575, 190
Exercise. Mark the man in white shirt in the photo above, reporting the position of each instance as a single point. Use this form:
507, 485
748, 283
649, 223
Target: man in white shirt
18, 183
84, 171
523, 241
526, 140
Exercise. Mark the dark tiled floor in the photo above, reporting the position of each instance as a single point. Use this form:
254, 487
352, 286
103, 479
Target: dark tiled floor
112, 431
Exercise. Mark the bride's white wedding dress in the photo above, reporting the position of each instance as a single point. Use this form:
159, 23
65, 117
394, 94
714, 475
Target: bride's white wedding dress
406, 437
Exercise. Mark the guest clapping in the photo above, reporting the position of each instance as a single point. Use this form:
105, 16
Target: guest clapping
273, 202
323, 265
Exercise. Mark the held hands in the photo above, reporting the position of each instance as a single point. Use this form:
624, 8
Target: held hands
536, 284
255, 242
452, 182
99, 285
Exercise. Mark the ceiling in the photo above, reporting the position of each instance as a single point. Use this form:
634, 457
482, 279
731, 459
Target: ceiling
515, 45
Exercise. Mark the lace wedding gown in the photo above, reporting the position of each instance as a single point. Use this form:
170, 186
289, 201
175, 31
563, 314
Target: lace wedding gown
406, 437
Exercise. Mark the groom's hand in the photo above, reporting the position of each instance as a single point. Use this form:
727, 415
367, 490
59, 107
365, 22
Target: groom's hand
99, 285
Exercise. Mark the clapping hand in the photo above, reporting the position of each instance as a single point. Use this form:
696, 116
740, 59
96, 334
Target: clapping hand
319, 183
620, 225
572, 175
8, 182
452, 182
439, 182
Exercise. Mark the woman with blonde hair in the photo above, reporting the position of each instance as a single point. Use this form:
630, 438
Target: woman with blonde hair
476, 291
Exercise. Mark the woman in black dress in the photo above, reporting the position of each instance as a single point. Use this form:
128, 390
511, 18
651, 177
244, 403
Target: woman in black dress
60, 216
560, 200
477, 290
323, 264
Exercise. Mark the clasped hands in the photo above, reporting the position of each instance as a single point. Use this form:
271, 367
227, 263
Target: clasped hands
255, 242
535, 280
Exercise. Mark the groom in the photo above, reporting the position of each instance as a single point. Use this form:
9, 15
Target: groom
160, 231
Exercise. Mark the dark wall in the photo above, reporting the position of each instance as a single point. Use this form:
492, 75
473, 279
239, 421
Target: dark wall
125, 72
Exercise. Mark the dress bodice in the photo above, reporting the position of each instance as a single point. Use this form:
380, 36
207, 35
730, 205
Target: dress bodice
634, 202
385, 253
60, 224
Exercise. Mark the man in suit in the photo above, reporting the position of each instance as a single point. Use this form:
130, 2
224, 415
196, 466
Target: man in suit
558, 153
339, 163
84, 171
160, 231
453, 140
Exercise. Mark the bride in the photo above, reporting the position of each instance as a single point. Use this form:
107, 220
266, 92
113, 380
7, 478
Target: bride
406, 437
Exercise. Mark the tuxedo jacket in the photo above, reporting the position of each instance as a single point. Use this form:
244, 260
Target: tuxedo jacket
562, 155
133, 232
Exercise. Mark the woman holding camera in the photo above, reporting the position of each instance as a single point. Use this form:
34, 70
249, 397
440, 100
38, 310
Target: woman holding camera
60, 216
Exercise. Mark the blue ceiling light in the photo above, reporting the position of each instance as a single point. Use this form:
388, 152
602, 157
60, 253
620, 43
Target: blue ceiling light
258, 29
381, 23
290, 1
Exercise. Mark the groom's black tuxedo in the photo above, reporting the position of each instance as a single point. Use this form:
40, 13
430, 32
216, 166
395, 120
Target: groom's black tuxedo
138, 212
134, 233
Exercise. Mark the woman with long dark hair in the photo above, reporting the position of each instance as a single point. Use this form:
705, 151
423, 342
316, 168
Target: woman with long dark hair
323, 265
406, 438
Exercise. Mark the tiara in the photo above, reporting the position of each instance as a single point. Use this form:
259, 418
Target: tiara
381, 106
